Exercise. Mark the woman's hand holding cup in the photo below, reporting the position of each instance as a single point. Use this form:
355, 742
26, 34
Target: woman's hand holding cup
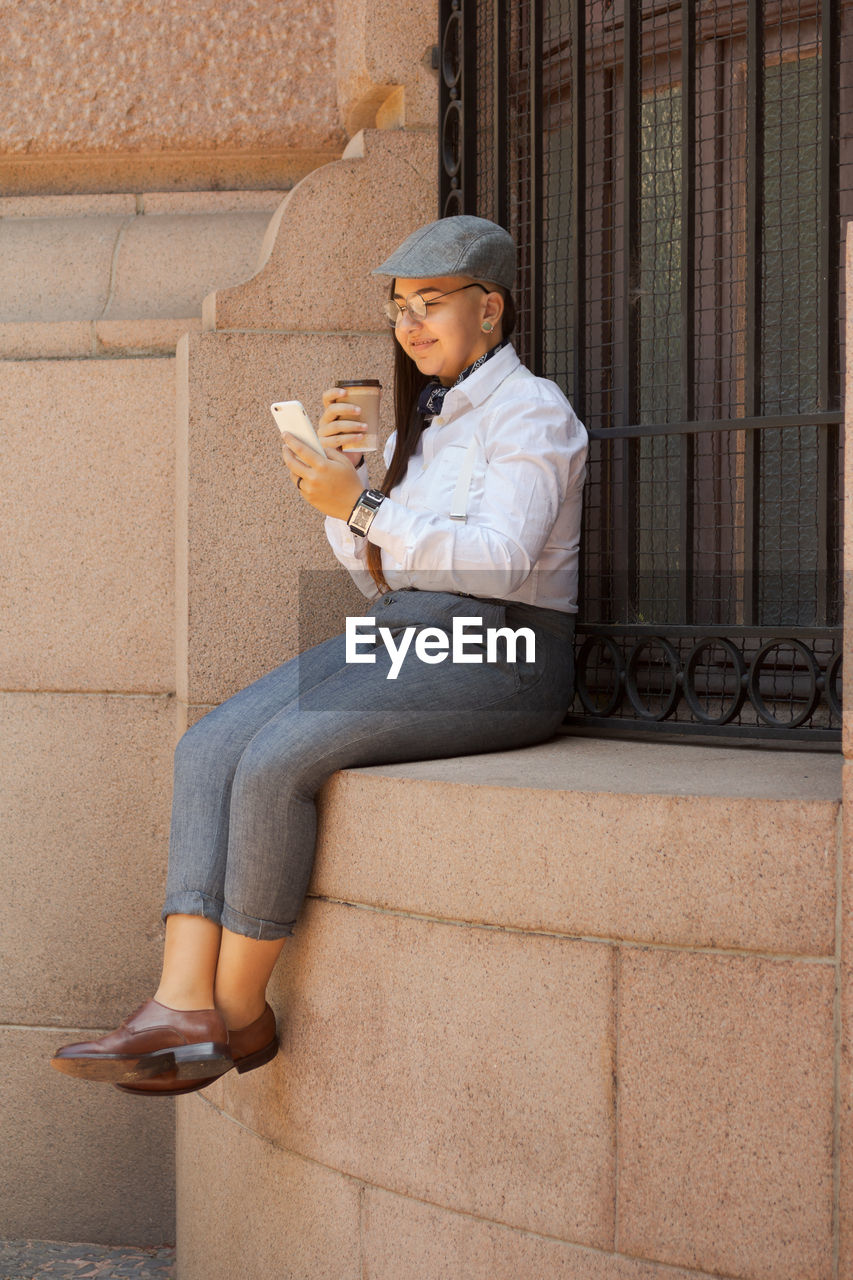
342, 425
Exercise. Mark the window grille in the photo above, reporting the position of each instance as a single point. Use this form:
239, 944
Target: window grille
676, 177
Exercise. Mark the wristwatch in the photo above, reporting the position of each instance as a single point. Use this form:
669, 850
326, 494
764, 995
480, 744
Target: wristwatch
361, 516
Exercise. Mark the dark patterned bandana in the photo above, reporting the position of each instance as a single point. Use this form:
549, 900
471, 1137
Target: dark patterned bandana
431, 399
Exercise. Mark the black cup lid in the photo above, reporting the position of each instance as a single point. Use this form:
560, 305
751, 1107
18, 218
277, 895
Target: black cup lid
358, 382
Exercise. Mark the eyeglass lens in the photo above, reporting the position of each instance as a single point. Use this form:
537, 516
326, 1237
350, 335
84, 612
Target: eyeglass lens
414, 304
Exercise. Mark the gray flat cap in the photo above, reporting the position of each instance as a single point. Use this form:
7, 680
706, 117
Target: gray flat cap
458, 246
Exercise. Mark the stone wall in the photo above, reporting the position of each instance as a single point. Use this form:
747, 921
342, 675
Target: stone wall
147, 152
170, 95
560, 1014
94, 291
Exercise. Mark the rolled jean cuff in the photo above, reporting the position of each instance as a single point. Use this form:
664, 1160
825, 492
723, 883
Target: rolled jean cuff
251, 927
190, 902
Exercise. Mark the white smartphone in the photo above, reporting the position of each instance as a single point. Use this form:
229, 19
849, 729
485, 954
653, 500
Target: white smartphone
291, 417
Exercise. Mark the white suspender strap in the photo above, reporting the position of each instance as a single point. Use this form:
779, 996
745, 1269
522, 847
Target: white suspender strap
459, 505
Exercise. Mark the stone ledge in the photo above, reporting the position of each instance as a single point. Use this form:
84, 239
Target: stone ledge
619, 841
612, 765
119, 258
69, 339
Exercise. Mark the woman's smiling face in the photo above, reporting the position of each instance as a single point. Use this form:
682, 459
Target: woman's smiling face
451, 337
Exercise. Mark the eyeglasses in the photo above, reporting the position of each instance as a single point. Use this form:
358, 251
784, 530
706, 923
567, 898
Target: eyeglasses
416, 304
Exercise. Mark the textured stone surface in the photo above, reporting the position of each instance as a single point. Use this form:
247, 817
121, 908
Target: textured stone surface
69, 173
706, 870
467, 1067
405, 1238
726, 1114
70, 206
61, 261
171, 261
845, 1100
84, 813
386, 185
87, 525
301, 1220
57, 268
61, 339
36, 339
577, 762
846, 1059
79, 1159
170, 75
382, 44
142, 337
249, 532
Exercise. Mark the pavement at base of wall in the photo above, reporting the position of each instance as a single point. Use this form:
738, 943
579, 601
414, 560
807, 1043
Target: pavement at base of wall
33, 1259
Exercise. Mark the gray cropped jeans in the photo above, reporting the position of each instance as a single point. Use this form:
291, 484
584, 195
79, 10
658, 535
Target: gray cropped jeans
246, 775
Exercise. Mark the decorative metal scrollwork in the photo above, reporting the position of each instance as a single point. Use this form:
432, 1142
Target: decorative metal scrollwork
715, 675
800, 678
606, 697
759, 685
657, 698
454, 142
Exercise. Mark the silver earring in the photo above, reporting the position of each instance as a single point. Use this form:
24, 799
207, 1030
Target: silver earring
487, 326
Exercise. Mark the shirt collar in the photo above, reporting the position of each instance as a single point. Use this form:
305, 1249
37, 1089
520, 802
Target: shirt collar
483, 381
432, 397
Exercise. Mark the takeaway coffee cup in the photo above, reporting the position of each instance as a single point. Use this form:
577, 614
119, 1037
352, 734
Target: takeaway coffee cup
365, 393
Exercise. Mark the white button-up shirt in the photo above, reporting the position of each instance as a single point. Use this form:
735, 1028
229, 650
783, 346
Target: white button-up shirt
520, 538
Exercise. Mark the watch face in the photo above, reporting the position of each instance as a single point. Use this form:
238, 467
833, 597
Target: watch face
361, 518
364, 511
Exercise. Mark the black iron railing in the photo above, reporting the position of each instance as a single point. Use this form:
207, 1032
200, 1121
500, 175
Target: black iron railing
676, 176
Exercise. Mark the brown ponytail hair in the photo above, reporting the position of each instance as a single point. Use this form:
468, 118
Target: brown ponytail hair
408, 384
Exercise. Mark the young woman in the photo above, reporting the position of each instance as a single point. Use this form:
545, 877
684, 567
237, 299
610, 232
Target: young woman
473, 531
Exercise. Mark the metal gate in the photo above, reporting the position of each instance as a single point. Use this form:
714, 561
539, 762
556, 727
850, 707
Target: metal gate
676, 176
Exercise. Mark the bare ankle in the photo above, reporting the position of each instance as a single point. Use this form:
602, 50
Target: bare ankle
240, 1012
185, 999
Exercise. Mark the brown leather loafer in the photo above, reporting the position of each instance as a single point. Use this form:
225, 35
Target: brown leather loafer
192, 1044
250, 1047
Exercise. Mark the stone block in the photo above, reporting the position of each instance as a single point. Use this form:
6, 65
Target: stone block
845, 1102
24, 175
208, 202
35, 339
386, 183
166, 263
73, 260
142, 337
248, 532
87, 525
68, 206
381, 45
84, 812
189, 76
57, 268
538, 839
80, 1161
470, 1068
725, 1131
402, 1237
301, 1220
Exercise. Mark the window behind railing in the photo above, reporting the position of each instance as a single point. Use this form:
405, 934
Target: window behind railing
676, 177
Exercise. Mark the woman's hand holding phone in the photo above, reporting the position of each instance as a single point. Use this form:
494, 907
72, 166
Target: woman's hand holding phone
331, 486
